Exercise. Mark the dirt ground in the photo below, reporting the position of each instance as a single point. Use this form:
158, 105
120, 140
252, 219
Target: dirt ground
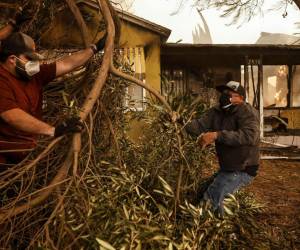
277, 186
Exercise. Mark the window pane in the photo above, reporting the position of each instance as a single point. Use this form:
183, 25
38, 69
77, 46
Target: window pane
134, 58
296, 86
173, 83
275, 86
136, 96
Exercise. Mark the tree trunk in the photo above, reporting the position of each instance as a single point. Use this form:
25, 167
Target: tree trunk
297, 2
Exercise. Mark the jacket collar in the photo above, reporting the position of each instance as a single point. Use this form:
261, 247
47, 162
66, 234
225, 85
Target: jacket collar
231, 111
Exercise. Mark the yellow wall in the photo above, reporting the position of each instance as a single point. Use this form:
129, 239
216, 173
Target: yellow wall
132, 36
293, 116
65, 33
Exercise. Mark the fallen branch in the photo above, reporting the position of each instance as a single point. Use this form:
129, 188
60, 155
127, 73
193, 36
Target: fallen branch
79, 19
118, 73
85, 110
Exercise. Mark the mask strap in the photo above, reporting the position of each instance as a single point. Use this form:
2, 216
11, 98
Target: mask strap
20, 59
227, 106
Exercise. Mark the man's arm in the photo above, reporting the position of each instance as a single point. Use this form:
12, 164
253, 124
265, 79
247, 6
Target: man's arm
201, 125
247, 133
69, 63
23, 121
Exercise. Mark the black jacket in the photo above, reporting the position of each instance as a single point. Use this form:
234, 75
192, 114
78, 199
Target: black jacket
237, 145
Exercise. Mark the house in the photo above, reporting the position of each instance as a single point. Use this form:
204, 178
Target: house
270, 73
140, 42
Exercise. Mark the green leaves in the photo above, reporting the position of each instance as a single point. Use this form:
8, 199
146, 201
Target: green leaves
125, 196
103, 245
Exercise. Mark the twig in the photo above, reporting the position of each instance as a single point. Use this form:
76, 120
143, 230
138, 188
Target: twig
111, 128
118, 73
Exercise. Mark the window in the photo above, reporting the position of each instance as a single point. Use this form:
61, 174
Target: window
173, 83
275, 86
136, 59
296, 86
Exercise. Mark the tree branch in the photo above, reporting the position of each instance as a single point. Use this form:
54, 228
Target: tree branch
80, 21
85, 110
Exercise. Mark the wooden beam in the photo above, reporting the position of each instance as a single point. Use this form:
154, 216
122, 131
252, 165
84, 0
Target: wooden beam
290, 86
261, 97
246, 78
297, 2
217, 54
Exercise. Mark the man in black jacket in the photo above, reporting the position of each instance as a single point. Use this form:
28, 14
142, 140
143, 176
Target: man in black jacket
233, 126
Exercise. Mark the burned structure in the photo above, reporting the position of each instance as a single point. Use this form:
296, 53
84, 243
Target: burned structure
269, 73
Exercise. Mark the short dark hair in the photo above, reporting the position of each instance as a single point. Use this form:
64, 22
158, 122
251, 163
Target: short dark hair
17, 43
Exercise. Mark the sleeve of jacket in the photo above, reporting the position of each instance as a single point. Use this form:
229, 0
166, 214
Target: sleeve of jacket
203, 124
248, 132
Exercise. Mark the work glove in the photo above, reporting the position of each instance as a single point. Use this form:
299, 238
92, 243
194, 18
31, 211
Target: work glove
98, 46
70, 125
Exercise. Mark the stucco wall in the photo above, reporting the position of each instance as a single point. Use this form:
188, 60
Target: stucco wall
65, 34
132, 36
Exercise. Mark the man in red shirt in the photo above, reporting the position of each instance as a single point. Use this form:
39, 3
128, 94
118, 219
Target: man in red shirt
22, 78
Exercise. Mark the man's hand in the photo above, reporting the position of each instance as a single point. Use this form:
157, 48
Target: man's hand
207, 138
98, 46
70, 125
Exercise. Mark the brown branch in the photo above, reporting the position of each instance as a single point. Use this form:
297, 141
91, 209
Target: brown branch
80, 21
100, 80
9, 5
86, 109
297, 2
62, 173
116, 72
103, 72
112, 131
172, 114
117, 23
30, 165
84, 33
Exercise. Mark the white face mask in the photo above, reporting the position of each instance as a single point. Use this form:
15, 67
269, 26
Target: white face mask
28, 69
32, 67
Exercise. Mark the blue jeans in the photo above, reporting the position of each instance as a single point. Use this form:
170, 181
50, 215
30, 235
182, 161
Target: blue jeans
225, 183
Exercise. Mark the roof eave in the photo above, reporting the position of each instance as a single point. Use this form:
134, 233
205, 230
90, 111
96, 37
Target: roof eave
163, 32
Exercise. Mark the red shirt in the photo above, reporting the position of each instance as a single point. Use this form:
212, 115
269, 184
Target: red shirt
27, 96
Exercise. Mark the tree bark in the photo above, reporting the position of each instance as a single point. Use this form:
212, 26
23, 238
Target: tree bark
80, 21
297, 2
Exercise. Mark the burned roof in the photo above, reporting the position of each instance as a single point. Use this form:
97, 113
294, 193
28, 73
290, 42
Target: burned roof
230, 54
